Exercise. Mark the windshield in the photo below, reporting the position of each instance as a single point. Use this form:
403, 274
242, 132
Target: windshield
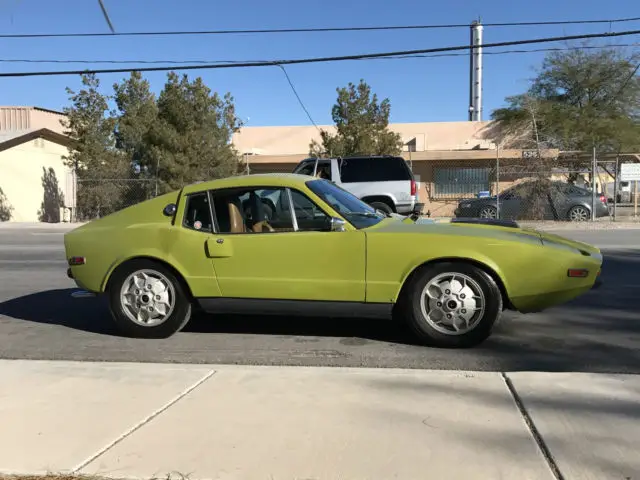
354, 210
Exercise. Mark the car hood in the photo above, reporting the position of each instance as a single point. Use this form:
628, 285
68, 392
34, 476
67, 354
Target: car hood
485, 230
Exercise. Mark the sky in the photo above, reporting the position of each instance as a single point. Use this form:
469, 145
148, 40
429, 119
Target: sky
419, 89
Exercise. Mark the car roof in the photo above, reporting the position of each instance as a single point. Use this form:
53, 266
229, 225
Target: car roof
252, 180
313, 159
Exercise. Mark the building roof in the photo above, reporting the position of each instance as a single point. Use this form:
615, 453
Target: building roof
14, 139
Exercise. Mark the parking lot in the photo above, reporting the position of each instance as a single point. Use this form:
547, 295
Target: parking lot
599, 332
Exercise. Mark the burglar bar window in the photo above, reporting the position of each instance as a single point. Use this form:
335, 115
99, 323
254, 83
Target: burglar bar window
460, 182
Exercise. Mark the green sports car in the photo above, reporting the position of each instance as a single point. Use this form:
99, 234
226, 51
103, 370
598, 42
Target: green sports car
294, 244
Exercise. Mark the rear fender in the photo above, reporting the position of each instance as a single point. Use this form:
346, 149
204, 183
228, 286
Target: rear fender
150, 254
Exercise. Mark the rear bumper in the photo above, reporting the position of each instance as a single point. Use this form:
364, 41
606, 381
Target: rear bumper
69, 273
597, 284
405, 207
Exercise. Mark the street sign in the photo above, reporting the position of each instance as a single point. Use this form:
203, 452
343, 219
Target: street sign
629, 172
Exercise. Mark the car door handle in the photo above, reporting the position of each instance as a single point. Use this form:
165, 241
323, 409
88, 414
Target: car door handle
219, 248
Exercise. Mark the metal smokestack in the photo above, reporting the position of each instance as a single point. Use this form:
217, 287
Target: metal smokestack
475, 72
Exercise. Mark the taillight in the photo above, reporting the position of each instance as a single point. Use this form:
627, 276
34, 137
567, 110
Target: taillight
603, 199
413, 187
578, 273
75, 261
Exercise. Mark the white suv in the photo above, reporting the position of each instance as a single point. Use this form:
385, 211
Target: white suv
384, 182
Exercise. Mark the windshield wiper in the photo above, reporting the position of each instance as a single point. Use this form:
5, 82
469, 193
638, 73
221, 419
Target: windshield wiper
364, 214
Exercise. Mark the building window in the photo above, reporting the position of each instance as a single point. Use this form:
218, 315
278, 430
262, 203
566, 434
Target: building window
460, 182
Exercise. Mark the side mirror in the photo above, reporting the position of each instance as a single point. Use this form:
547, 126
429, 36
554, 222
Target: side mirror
336, 224
170, 210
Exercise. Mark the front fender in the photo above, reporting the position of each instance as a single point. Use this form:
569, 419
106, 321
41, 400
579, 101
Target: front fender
482, 261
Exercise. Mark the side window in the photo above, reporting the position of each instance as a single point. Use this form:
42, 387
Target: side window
518, 192
366, 169
309, 216
323, 171
305, 169
253, 210
197, 215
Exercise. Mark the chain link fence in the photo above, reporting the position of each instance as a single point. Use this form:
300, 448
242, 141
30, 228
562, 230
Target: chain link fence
96, 198
525, 188
538, 189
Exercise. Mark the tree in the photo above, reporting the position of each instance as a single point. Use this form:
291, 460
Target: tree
93, 155
362, 126
136, 112
191, 139
585, 99
580, 99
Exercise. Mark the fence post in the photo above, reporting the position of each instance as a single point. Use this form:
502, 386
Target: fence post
498, 180
615, 189
594, 167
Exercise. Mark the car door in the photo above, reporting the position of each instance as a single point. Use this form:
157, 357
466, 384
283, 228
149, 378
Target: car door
186, 245
292, 257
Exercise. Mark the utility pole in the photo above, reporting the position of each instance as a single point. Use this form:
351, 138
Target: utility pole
594, 169
475, 72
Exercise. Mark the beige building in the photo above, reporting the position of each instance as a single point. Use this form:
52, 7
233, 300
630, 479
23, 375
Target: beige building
450, 160
33, 178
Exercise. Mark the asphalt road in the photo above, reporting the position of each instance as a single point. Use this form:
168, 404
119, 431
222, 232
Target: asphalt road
599, 332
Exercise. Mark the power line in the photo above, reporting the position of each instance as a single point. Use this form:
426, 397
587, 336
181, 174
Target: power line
295, 92
320, 59
317, 30
213, 62
105, 14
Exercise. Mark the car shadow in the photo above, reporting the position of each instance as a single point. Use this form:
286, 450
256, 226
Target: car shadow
600, 328
57, 307
91, 314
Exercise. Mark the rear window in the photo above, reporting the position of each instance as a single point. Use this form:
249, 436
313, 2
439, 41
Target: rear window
374, 169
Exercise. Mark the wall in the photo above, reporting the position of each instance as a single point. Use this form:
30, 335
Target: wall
21, 176
295, 140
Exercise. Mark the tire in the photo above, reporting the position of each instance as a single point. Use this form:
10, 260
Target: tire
481, 325
579, 213
488, 212
178, 303
382, 206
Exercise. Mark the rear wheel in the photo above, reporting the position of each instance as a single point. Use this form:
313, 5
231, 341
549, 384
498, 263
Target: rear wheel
147, 300
451, 305
579, 214
382, 206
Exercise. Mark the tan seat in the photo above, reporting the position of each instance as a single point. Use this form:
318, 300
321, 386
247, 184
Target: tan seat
236, 220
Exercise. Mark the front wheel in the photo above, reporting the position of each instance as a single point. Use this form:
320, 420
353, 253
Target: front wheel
147, 300
452, 305
489, 212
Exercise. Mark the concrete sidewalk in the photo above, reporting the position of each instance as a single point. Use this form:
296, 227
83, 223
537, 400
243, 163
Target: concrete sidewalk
236, 422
